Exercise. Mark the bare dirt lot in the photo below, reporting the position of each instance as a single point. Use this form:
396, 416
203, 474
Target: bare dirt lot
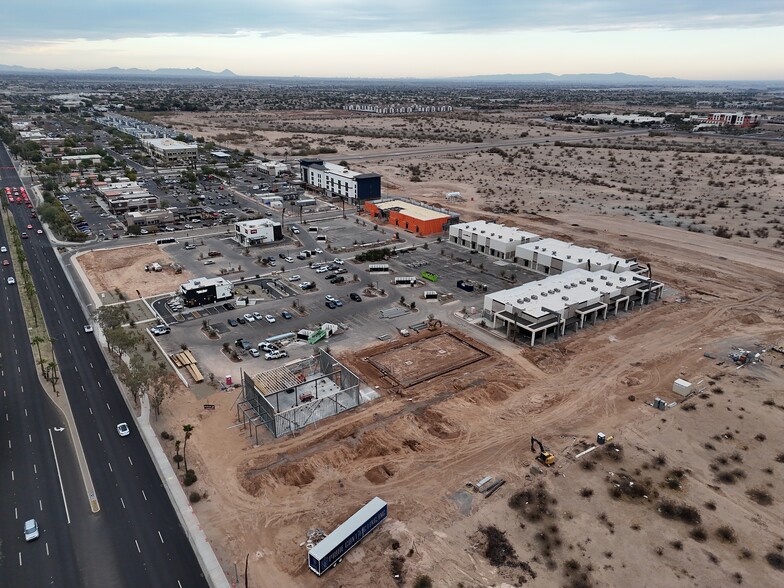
688, 496
123, 268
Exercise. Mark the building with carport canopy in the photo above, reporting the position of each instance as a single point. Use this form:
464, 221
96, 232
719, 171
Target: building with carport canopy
573, 298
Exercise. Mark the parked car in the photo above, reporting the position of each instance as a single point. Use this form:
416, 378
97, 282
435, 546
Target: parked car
258, 316
355, 297
295, 278
254, 352
241, 320
282, 255
248, 317
267, 346
329, 297
243, 344
330, 304
338, 279
269, 318
322, 270
160, 330
337, 302
289, 259
286, 315
232, 323
318, 250
276, 355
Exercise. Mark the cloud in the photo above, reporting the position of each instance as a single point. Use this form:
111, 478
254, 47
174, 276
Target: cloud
39, 20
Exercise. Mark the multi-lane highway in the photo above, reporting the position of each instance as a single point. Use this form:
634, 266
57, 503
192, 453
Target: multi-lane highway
136, 538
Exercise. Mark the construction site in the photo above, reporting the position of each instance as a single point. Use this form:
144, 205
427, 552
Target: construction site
290, 397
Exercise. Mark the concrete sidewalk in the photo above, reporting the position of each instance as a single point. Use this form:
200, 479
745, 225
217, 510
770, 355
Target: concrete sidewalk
204, 553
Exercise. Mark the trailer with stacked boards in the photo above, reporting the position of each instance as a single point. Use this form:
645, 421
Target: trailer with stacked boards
330, 551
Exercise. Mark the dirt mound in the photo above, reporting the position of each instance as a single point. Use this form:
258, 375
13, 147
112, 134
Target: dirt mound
294, 474
751, 318
437, 425
380, 473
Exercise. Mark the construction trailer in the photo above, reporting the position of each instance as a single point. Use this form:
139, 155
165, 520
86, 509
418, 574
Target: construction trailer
330, 550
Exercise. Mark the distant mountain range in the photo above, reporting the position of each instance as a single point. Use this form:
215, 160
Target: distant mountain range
584, 78
541, 79
119, 71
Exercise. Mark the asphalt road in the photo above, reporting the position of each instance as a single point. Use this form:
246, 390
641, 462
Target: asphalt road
136, 539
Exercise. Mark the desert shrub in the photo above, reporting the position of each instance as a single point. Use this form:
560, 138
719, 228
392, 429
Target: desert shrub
698, 534
195, 497
780, 458
533, 504
588, 465
760, 496
680, 512
165, 435
746, 554
760, 437
710, 505
613, 452
423, 582
688, 407
677, 545
189, 478
726, 534
586, 492
713, 559
396, 567
498, 550
730, 477
395, 544
624, 486
776, 561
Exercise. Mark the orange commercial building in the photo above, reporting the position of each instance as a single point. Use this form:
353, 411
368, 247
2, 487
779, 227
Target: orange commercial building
415, 218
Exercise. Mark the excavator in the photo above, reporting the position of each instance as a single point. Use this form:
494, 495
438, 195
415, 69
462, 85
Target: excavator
545, 456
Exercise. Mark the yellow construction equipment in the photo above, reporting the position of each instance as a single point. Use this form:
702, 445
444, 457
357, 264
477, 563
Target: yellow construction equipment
545, 456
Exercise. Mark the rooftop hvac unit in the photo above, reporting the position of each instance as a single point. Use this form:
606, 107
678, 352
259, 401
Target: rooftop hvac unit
527, 299
582, 282
519, 301
551, 291
544, 294
567, 286
536, 247
568, 257
534, 297
590, 279
594, 288
482, 231
622, 279
492, 234
579, 260
574, 285
564, 298
610, 284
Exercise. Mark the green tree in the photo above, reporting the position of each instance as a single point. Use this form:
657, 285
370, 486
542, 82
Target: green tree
37, 340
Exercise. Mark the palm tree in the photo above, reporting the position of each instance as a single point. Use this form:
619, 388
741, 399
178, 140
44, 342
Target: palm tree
51, 367
37, 340
187, 429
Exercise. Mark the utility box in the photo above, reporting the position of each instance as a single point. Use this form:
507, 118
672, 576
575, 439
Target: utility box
659, 404
681, 387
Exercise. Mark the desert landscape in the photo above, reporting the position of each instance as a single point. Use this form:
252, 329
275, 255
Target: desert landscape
688, 495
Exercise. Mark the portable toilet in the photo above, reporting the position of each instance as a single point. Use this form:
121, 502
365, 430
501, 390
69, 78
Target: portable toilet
601, 438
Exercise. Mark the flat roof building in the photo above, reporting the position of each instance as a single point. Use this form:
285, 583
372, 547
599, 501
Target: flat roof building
568, 299
338, 181
552, 256
200, 291
147, 218
257, 232
410, 216
122, 197
490, 238
171, 150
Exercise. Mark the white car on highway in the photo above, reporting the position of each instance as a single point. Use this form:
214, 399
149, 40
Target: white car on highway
123, 430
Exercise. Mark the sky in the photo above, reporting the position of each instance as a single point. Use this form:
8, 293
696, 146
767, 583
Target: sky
689, 39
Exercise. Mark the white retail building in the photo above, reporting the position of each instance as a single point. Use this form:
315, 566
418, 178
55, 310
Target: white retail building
490, 238
568, 299
552, 256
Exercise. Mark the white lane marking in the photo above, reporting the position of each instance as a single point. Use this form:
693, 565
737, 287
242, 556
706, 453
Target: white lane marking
145, 496
178, 584
12, 475
30, 437
137, 546
99, 437
16, 514
91, 365
40, 505
107, 406
35, 469
62, 490
110, 468
47, 549
99, 385
9, 444
122, 502
20, 559
90, 409
129, 460
161, 536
